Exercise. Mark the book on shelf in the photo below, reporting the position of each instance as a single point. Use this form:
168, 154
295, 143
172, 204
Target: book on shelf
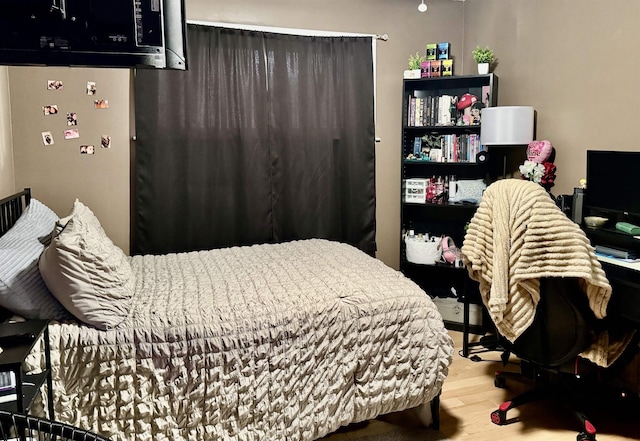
8, 387
417, 146
7, 380
440, 111
449, 148
7, 397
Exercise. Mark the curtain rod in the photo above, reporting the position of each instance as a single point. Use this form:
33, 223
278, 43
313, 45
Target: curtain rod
281, 30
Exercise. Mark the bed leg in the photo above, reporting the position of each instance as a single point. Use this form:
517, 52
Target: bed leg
435, 413
429, 413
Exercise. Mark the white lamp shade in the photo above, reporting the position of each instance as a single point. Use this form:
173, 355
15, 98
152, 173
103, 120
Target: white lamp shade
506, 125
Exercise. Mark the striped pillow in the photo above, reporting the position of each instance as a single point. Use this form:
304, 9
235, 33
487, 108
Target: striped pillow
22, 290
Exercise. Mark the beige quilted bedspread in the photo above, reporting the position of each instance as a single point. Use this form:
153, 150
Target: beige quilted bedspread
269, 342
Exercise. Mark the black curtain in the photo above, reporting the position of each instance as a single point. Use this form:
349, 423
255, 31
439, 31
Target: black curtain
265, 138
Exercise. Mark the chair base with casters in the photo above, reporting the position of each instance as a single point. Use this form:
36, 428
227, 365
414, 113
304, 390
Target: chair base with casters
17, 426
564, 326
565, 389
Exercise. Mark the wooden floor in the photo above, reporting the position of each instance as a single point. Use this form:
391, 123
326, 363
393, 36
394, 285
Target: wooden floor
469, 396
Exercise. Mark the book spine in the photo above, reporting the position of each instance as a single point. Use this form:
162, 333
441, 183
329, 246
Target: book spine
7, 380
412, 112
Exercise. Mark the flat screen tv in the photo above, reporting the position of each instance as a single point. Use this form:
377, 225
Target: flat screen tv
93, 33
613, 181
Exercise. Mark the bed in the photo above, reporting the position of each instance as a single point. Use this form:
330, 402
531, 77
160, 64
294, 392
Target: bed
267, 342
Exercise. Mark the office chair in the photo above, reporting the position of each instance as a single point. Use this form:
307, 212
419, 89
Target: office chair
546, 293
548, 351
17, 426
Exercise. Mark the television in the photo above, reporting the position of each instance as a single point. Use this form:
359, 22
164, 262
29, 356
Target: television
94, 33
612, 182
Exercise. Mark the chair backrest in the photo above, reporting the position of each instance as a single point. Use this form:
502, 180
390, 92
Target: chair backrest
24, 427
564, 325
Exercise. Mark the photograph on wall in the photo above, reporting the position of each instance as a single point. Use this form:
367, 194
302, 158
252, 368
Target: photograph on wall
54, 84
105, 141
71, 134
47, 138
91, 88
72, 119
87, 150
51, 109
101, 104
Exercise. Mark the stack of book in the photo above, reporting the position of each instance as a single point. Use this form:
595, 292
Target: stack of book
7, 386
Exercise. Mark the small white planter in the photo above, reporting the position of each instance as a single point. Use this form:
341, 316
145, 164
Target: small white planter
483, 68
412, 74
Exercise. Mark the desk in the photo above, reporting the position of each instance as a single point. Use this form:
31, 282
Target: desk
624, 278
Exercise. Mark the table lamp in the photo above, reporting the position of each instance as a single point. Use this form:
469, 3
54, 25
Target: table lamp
506, 126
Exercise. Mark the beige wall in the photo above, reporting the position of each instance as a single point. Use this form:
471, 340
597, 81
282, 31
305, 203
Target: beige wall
575, 61
408, 32
7, 184
58, 173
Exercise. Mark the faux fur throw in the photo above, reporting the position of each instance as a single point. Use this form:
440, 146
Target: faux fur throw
517, 236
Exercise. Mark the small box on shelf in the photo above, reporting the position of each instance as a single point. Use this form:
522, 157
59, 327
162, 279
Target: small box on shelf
432, 51
435, 67
447, 68
443, 51
425, 69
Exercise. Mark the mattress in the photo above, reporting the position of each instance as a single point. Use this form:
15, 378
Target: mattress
268, 342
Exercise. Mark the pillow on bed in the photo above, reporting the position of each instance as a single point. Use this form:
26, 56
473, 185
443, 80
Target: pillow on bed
22, 290
87, 272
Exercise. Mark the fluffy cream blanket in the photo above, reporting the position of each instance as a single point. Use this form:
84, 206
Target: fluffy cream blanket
517, 236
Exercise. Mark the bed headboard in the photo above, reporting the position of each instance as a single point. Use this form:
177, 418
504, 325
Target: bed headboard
12, 207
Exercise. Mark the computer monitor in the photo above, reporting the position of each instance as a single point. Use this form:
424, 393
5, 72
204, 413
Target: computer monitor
94, 33
613, 181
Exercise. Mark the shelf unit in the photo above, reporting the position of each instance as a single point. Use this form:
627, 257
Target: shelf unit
437, 219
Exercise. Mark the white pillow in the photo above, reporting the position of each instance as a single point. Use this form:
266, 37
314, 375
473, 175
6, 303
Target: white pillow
22, 290
87, 273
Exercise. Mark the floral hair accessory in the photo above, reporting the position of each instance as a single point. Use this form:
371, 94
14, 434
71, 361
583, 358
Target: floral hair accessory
543, 174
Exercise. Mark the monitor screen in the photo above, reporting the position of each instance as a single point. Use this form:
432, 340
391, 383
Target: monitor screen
613, 181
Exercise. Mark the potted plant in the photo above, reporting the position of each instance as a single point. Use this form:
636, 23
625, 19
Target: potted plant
484, 57
414, 65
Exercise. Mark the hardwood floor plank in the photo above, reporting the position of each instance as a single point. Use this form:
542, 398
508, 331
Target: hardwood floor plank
469, 396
